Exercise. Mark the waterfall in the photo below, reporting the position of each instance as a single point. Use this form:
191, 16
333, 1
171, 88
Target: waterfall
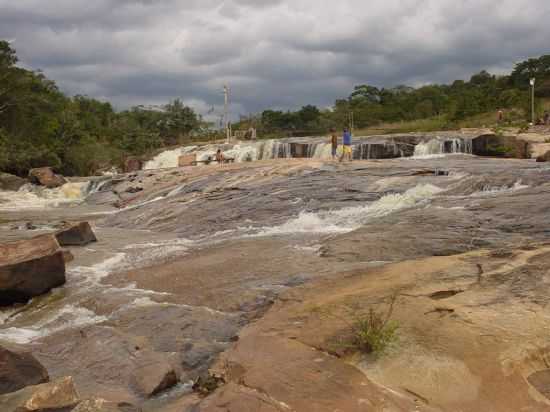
442, 146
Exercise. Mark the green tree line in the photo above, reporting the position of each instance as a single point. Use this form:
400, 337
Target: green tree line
372, 106
40, 126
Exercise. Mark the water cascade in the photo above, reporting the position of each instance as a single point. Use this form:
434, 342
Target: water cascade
441, 146
31, 196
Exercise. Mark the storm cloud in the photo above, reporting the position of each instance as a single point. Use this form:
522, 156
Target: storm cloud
278, 53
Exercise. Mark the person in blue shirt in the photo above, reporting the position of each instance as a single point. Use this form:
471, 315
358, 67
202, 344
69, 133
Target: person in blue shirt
346, 140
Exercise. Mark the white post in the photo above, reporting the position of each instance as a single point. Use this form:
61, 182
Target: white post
532, 82
225, 111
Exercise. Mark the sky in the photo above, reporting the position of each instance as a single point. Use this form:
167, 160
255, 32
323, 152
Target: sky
273, 54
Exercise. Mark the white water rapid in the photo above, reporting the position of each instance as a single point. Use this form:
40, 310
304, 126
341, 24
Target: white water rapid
37, 197
351, 218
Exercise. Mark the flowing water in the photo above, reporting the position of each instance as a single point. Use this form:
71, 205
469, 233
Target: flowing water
228, 246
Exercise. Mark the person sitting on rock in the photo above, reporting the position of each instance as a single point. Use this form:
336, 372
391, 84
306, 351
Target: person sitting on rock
220, 158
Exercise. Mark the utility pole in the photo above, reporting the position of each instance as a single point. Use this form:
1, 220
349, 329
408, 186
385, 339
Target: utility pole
532, 82
225, 112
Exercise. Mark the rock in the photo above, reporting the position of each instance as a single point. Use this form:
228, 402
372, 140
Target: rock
538, 149
68, 256
76, 235
500, 146
102, 405
11, 182
154, 378
18, 370
29, 268
51, 397
545, 157
103, 198
187, 160
132, 164
46, 177
133, 189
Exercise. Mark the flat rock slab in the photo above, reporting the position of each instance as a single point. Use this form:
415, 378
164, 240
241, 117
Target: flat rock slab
51, 397
30, 268
18, 370
76, 235
102, 405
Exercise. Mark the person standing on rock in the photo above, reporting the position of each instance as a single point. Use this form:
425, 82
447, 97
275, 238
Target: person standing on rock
346, 147
334, 143
546, 118
220, 158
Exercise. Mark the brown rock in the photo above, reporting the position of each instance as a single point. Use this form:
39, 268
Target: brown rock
76, 235
18, 370
132, 164
154, 378
544, 157
68, 256
46, 177
11, 182
187, 160
51, 397
29, 268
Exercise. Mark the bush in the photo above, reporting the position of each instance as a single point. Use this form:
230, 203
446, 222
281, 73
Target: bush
375, 332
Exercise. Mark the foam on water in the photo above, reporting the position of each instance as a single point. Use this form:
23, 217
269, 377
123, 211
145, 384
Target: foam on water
351, 218
68, 317
493, 190
37, 197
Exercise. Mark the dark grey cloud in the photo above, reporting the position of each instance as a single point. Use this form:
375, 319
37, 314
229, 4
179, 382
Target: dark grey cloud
272, 53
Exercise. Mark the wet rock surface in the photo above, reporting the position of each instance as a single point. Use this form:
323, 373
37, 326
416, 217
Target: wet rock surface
231, 270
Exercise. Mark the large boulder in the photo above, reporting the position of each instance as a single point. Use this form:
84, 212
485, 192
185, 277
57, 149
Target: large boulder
79, 234
153, 378
59, 395
187, 160
29, 268
18, 370
11, 182
46, 177
494, 145
544, 157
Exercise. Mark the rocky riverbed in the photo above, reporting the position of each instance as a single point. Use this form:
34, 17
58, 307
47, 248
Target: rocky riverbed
250, 271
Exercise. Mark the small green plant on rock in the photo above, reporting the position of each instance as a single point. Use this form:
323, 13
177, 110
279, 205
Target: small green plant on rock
375, 331
373, 335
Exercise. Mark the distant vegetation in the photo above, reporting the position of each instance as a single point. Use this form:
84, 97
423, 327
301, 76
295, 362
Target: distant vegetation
41, 126
431, 107
79, 135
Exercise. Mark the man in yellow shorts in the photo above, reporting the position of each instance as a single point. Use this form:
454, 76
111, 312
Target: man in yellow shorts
346, 140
